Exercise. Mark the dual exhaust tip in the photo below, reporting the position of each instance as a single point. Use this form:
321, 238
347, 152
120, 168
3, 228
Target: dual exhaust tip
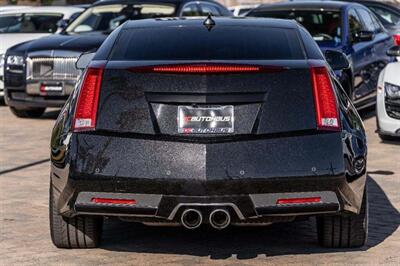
192, 218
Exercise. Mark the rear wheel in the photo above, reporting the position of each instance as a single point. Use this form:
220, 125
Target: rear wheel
344, 231
28, 113
76, 232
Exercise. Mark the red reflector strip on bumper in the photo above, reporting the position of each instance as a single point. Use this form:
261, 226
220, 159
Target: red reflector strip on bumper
114, 201
299, 200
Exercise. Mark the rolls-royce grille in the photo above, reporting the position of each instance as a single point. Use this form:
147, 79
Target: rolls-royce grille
52, 68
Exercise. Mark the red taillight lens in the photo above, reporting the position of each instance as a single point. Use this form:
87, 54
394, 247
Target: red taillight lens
324, 99
207, 69
86, 108
114, 201
299, 200
396, 39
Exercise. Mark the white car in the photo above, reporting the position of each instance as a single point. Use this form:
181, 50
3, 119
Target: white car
25, 24
388, 99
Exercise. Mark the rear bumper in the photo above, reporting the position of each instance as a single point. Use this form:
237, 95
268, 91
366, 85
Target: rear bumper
258, 202
241, 207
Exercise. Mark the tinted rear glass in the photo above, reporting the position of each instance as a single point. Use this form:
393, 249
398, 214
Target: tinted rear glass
221, 43
323, 25
386, 16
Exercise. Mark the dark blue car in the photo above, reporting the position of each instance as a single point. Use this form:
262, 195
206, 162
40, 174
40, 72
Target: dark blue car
347, 27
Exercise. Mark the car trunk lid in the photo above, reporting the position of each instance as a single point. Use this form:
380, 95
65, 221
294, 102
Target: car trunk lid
136, 99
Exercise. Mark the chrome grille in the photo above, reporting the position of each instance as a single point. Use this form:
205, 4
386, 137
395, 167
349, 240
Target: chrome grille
52, 68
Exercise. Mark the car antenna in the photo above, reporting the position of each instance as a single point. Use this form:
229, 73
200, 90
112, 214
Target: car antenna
209, 23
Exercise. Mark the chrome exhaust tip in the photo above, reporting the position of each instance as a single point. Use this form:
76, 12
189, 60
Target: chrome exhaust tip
220, 219
191, 218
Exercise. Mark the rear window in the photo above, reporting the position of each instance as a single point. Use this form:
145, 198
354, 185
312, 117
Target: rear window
323, 25
221, 43
386, 16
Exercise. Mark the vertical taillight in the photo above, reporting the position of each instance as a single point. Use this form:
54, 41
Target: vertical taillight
396, 39
326, 109
88, 99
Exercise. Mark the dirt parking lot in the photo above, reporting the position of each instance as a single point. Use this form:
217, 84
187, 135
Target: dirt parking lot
25, 239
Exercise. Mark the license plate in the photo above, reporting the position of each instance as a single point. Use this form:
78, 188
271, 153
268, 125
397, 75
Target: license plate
205, 120
51, 90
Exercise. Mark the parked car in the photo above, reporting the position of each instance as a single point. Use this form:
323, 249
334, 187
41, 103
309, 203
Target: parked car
241, 10
21, 25
172, 126
42, 73
388, 99
347, 27
388, 14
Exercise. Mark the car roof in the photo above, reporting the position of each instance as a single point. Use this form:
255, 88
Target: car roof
9, 8
307, 4
219, 21
369, 1
67, 11
113, 2
375, 3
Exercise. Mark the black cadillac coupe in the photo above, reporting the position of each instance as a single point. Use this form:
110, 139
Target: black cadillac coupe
216, 122
42, 73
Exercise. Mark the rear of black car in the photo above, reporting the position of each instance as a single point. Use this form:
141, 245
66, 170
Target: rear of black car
176, 123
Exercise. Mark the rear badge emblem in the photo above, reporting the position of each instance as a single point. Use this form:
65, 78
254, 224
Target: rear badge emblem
209, 23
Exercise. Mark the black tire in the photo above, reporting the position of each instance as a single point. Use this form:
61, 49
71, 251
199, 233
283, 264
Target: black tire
344, 231
28, 113
76, 232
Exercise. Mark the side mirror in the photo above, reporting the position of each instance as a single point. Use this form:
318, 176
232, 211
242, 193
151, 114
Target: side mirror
337, 60
394, 51
62, 24
364, 36
84, 60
